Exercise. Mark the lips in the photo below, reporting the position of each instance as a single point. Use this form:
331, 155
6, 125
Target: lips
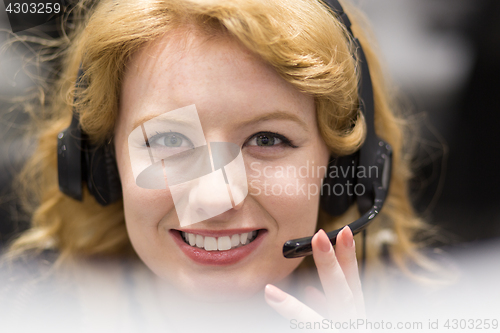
217, 257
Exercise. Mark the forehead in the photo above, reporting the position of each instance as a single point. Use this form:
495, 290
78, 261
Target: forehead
214, 73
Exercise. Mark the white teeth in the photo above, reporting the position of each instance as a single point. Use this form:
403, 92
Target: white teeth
192, 239
244, 237
199, 241
235, 240
210, 243
223, 243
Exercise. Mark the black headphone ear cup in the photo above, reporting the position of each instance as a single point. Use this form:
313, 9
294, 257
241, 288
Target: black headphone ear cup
113, 177
103, 180
337, 192
69, 163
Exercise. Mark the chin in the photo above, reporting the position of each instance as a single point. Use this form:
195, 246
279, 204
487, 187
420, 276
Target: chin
219, 287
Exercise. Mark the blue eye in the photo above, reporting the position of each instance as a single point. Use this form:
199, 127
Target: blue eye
264, 140
170, 140
269, 139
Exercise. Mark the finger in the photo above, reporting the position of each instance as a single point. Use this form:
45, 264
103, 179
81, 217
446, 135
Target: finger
338, 293
288, 306
346, 256
316, 300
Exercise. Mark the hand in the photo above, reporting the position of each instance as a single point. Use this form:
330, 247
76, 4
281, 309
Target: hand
338, 272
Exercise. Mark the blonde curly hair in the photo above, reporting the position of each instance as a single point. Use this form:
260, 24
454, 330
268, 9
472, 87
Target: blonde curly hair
304, 42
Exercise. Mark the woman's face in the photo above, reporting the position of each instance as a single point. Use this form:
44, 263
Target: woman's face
242, 100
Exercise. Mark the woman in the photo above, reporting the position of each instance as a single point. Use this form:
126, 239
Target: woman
276, 79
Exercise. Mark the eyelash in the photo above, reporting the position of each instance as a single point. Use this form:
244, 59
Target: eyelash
160, 134
284, 140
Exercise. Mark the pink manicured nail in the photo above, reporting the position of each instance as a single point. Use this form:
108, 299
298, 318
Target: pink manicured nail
275, 294
348, 238
323, 241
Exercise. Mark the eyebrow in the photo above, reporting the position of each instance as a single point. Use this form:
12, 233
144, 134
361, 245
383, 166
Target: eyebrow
147, 118
280, 115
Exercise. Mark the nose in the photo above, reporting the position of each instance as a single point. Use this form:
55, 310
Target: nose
205, 192
210, 196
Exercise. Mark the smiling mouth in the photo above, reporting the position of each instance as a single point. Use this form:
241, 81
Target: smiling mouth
222, 243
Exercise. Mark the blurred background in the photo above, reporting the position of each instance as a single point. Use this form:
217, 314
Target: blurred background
443, 56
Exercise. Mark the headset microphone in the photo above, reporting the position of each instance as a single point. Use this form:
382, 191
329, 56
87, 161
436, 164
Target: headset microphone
375, 154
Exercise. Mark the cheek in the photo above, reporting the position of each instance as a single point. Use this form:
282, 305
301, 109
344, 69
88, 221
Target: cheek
145, 209
290, 194
289, 189
142, 206
147, 216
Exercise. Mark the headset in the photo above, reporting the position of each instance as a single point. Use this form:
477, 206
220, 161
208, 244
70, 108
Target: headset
80, 161
374, 153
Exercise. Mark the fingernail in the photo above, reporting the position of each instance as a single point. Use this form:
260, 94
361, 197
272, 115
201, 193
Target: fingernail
274, 294
323, 241
347, 236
